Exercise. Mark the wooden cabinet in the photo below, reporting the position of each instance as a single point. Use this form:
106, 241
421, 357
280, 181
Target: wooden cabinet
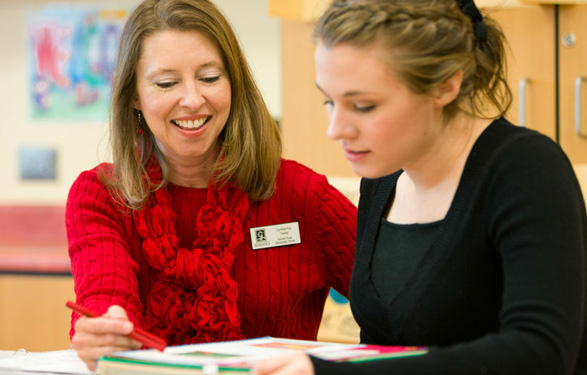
35, 278
548, 71
572, 50
531, 65
33, 315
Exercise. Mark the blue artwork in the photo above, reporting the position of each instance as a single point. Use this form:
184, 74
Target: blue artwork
72, 55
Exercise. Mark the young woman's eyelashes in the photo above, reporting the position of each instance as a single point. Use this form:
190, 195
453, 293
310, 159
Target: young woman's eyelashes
365, 108
359, 108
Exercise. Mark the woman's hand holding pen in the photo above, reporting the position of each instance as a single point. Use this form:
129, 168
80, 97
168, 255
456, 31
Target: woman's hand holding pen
290, 364
106, 334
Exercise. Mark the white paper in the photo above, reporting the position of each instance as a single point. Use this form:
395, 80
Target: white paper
53, 362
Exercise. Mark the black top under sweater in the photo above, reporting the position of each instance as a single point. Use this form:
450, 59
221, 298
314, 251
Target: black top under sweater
399, 248
502, 288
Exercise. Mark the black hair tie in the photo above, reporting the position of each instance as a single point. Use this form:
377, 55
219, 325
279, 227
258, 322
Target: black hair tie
469, 8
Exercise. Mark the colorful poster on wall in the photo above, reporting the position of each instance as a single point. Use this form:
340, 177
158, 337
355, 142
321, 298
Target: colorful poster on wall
72, 57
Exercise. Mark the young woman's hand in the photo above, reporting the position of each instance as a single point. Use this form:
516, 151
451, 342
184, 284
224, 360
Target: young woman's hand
96, 337
290, 364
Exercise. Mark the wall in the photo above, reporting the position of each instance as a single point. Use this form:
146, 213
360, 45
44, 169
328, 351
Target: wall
82, 145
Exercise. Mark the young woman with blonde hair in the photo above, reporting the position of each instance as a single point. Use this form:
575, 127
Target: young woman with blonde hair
471, 232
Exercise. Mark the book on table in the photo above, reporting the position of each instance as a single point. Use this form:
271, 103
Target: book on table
238, 357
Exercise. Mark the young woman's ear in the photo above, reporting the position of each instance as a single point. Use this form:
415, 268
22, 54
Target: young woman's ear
445, 92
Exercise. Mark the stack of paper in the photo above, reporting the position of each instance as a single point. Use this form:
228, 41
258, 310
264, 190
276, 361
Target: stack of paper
236, 357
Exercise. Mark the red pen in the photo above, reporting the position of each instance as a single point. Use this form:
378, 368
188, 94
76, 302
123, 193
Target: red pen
146, 338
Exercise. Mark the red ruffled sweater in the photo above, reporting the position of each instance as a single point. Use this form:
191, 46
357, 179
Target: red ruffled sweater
281, 290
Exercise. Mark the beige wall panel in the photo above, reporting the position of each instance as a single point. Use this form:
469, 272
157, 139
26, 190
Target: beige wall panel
304, 121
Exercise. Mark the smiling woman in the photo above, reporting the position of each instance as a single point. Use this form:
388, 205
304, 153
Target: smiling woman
185, 99
167, 237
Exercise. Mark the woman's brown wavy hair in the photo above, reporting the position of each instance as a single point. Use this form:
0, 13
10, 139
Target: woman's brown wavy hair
250, 144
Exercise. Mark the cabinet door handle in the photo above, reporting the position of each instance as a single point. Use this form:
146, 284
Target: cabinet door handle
522, 102
578, 83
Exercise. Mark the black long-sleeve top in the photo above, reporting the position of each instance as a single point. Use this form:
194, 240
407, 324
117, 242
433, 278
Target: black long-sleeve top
502, 288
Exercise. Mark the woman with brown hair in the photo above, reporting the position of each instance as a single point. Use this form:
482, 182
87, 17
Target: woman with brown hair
471, 232
199, 231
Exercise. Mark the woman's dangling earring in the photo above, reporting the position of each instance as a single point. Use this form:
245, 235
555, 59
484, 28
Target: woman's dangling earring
139, 129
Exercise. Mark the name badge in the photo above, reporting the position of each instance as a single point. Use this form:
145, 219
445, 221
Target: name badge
275, 235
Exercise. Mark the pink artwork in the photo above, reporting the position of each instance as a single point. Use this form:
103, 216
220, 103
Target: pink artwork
72, 57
